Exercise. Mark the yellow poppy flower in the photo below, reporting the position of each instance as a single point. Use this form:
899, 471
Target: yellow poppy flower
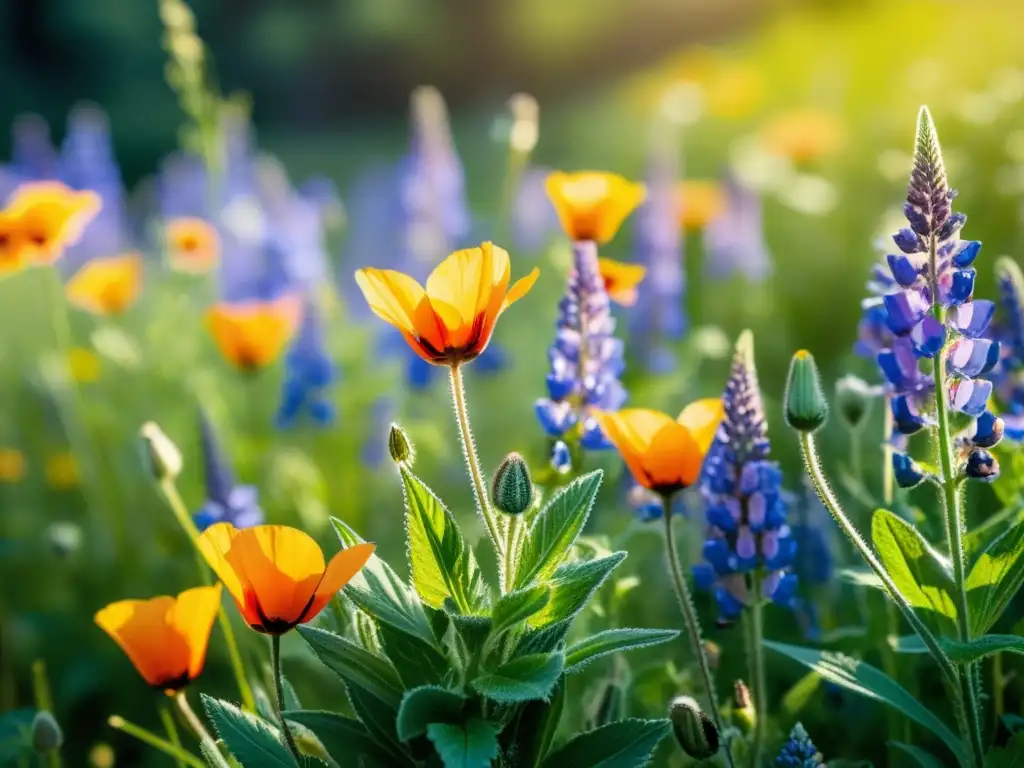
252, 334
700, 201
621, 280
193, 245
451, 320
592, 205
51, 216
107, 285
664, 454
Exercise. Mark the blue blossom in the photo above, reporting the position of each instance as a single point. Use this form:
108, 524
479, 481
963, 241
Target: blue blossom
309, 372
734, 240
799, 751
1008, 376
659, 316
226, 500
744, 505
33, 155
586, 358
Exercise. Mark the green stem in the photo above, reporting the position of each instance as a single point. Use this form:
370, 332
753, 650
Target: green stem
275, 657
755, 661
511, 547
998, 685
177, 505
44, 702
692, 623
172, 731
954, 520
473, 462
147, 737
212, 751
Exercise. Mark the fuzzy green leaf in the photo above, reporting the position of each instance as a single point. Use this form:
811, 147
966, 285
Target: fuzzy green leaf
442, 563
995, 578
920, 573
354, 664
555, 529
345, 739
623, 744
518, 606
963, 653
522, 679
612, 641
416, 662
866, 680
249, 739
571, 587
1010, 756
379, 718
474, 744
529, 737
918, 755
425, 705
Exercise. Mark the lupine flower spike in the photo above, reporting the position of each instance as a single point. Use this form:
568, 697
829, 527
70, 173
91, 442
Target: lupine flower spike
799, 751
1008, 376
226, 500
165, 637
309, 374
734, 239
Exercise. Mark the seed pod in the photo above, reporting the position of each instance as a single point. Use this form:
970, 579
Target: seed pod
162, 457
853, 400
511, 488
694, 730
47, 735
806, 406
399, 446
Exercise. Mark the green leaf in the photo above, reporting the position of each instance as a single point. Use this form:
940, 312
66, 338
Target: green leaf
921, 574
1010, 756
861, 577
571, 587
613, 641
379, 719
346, 740
623, 744
473, 744
381, 593
425, 705
518, 606
354, 664
249, 739
995, 578
963, 653
416, 662
442, 564
529, 738
871, 682
922, 758
556, 528
522, 679
796, 698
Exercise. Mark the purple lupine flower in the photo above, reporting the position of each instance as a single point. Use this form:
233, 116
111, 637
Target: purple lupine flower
799, 751
744, 505
734, 239
659, 315
1008, 376
586, 358
534, 220
226, 500
309, 372
33, 155
931, 312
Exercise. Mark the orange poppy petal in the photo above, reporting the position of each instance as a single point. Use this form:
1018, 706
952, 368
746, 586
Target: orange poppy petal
52, 216
674, 458
253, 334
214, 543
339, 572
521, 287
701, 418
460, 287
393, 296
193, 615
193, 244
621, 280
141, 628
106, 286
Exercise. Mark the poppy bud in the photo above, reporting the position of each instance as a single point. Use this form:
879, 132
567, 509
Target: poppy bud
694, 730
744, 711
853, 400
399, 446
47, 735
161, 455
512, 489
806, 407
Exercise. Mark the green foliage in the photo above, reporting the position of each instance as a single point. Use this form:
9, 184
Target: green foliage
610, 641
524, 678
346, 739
964, 653
426, 705
472, 744
624, 744
1010, 756
920, 756
354, 664
248, 738
995, 578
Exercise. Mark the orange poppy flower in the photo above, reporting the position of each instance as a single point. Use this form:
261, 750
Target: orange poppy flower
621, 280
192, 244
803, 135
277, 574
165, 637
106, 285
664, 454
12, 244
252, 334
51, 217
452, 319
592, 205
700, 201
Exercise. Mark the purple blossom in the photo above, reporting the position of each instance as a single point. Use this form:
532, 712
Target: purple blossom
309, 373
1008, 375
226, 500
734, 240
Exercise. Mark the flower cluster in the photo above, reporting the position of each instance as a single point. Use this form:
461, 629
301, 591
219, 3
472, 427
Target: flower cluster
226, 500
748, 542
799, 751
931, 313
309, 371
1008, 376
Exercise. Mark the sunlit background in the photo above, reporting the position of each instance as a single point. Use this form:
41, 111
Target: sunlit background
789, 126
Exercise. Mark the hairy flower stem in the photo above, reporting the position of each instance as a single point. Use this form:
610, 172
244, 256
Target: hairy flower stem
172, 731
950, 673
473, 462
275, 659
212, 751
44, 703
118, 723
692, 623
754, 625
177, 505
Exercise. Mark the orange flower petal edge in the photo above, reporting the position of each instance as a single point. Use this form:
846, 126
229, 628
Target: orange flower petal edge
592, 205
51, 217
106, 286
193, 245
251, 335
621, 280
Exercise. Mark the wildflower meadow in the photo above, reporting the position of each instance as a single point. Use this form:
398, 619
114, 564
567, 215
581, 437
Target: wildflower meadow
532, 385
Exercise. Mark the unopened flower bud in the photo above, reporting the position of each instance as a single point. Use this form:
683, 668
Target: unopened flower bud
47, 735
806, 407
161, 455
64, 538
853, 400
399, 446
511, 488
907, 472
982, 465
694, 730
744, 711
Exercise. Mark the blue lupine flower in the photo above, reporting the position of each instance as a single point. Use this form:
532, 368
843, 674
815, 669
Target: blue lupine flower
226, 500
744, 504
33, 155
586, 358
309, 372
799, 751
659, 315
734, 240
930, 304
1008, 376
